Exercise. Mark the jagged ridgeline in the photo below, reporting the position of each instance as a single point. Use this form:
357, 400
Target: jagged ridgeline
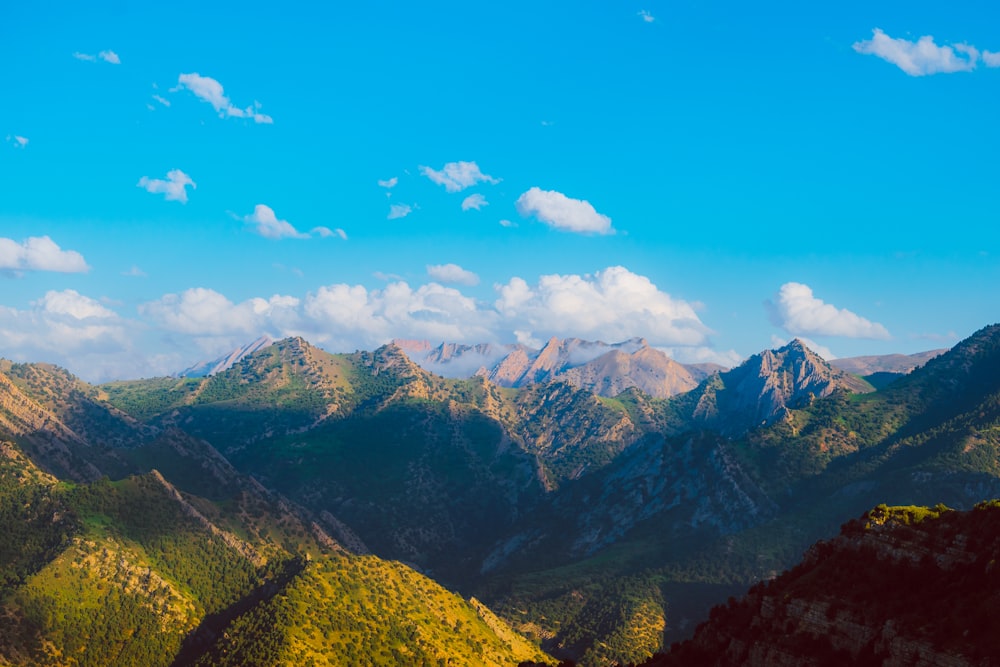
602, 527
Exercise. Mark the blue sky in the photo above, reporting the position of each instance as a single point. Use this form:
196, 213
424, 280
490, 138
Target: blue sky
715, 177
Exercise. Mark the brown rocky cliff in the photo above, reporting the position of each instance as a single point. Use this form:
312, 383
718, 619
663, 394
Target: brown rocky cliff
900, 586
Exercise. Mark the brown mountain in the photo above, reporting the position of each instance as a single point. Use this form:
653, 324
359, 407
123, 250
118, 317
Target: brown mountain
606, 369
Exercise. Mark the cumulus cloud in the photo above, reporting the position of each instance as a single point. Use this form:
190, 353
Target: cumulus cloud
646, 16
347, 317
206, 313
201, 323
456, 176
476, 201
564, 213
72, 303
397, 211
703, 354
991, 59
39, 253
452, 274
798, 312
341, 317
135, 272
174, 188
610, 305
267, 224
74, 331
209, 90
919, 58
389, 183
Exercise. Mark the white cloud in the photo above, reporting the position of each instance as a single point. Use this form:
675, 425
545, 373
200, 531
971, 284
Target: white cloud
507, 223
135, 272
206, 313
476, 201
17, 141
267, 224
397, 211
991, 59
561, 212
800, 313
390, 183
919, 58
173, 189
74, 331
72, 303
646, 16
39, 253
341, 317
703, 354
107, 56
456, 176
610, 305
208, 89
346, 317
162, 100
452, 274
326, 232
200, 323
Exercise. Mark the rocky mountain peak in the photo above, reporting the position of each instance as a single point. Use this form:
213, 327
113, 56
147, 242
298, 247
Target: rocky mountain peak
764, 387
228, 360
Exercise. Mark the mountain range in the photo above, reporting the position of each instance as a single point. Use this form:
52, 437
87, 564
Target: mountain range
575, 511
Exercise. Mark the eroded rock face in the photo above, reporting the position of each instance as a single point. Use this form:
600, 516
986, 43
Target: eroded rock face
899, 586
763, 388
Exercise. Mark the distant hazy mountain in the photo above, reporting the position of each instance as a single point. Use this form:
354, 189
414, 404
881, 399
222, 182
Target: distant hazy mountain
607, 369
226, 361
885, 363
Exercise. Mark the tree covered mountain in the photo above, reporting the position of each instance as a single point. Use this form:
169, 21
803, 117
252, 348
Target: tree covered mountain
143, 571
601, 527
900, 585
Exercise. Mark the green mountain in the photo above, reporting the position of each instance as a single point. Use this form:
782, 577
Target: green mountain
141, 571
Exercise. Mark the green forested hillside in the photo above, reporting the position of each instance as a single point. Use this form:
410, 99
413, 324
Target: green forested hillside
134, 572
